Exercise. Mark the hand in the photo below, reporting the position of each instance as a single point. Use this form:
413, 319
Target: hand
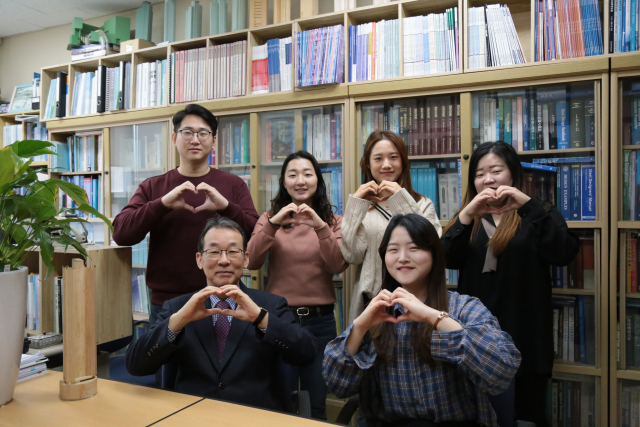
285, 216
214, 201
414, 309
193, 310
387, 189
480, 206
375, 313
368, 191
308, 216
175, 198
246, 310
514, 198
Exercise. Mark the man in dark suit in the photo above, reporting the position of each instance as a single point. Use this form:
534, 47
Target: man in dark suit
226, 338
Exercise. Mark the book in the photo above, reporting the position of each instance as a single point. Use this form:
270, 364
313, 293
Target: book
317, 61
493, 39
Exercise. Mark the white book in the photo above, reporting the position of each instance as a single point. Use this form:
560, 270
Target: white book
453, 190
153, 84
443, 195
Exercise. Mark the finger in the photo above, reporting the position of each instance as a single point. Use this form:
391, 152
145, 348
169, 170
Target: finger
403, 317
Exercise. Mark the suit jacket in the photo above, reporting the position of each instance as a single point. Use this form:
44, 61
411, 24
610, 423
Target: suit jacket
246, 374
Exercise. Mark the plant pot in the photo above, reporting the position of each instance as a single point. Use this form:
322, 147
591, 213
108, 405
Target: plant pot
13, 314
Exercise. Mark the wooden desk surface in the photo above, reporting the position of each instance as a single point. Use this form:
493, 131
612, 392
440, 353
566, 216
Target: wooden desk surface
212, 412
36, 402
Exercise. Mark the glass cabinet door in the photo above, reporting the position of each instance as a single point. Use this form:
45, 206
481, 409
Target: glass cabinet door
234, 147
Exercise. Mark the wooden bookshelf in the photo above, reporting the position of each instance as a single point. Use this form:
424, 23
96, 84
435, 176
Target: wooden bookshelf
606, 70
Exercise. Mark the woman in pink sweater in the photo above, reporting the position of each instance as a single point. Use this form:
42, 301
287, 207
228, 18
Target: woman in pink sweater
301, 235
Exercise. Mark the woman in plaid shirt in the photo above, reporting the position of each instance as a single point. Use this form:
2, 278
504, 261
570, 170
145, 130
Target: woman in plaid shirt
419, 355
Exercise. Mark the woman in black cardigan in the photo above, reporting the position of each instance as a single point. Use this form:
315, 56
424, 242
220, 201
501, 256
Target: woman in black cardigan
510, 273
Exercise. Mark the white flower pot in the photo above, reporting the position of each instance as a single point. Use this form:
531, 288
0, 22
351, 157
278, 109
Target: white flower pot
13, 313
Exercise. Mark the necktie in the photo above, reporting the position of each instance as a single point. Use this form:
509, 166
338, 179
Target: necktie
222, 328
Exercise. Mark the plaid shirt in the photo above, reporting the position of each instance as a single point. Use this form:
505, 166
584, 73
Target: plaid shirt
473, 361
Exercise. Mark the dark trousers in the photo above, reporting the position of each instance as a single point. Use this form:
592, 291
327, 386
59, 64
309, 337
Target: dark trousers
323, 328
531, 399
165, 376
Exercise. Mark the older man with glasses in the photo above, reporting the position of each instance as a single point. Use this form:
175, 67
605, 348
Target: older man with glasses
175, 206
226, 339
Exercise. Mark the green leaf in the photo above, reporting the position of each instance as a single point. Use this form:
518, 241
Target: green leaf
30, 148
46, 247
24, 167
76, 193
18, 233
9, 163
42, 207
91, 210
67, 241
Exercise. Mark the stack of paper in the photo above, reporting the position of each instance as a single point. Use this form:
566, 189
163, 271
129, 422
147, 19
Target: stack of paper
31, 366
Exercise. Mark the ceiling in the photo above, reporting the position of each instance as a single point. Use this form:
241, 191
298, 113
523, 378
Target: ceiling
24, 16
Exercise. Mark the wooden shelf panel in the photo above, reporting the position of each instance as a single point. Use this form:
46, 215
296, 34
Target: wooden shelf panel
628, 374
562, 291
569, 368
585, 224
81, 173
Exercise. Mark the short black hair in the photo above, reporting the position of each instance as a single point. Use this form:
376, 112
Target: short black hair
221, 222
195, 110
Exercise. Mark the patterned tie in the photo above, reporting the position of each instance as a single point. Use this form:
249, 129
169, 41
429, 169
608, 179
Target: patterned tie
222, 328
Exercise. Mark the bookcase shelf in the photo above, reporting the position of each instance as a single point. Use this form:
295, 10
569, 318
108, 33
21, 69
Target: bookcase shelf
558, 291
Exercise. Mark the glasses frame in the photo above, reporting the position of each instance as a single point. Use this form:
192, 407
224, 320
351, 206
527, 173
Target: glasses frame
197, 134
206, 252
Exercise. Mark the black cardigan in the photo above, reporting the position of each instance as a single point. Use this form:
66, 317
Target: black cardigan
519, 292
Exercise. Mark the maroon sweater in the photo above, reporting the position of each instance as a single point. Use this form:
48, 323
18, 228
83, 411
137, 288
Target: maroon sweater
173, 242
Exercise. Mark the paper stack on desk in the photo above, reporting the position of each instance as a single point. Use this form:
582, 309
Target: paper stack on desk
32, 365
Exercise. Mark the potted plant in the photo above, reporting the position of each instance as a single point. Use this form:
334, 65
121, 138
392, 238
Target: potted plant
29, 212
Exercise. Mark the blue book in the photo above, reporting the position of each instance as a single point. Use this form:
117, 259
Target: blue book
341, 196
538, 166
588, 191
558, 277
562, 124
237, 158
136, 293
351, 52
637, 200
338, 135
583, 335
304, 135
554, 160
94, 192
635, 120
576, 188
634, 16
525, 121
565, 187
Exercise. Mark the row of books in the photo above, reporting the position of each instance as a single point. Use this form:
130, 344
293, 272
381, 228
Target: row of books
452, 277
33, 302
279, 137
322, 134
570, 186
427, 125
141, 294
572, 400
92, 185
580, 273
623, 26
57, 99
36, 131
630, 186
228, 70
431, 43
628, 262
233, 142
114, 87
140, 253
546, 118
493, 40
247, 280
31, 366
333, 181
319, 56
574, 331
151, 84
373, 50
438, 181
632, 333
567, 29
630, 404
81, 153
57, 304
187, 75
271, 66
85, 94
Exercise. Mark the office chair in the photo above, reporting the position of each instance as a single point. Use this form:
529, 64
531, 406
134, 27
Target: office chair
293, 401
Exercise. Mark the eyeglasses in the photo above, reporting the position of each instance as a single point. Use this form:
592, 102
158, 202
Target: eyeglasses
232, 253
203, 135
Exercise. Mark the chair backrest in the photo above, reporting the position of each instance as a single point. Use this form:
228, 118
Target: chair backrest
504, 406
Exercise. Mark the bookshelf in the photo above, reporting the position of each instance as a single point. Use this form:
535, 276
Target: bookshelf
623, 295
609, 380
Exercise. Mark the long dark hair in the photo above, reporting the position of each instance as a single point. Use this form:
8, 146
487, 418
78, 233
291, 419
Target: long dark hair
424, 235
320, 201
365, 162
509, 221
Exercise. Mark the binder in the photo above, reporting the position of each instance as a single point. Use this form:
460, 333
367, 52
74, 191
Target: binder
122, 85
101, 74
61, 94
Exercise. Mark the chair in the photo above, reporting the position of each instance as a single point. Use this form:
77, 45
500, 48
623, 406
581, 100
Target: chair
293, 401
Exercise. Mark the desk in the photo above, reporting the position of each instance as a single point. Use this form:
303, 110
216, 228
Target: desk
229, 415
36, 402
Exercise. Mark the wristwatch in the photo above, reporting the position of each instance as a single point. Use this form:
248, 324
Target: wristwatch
263, 312
441, 316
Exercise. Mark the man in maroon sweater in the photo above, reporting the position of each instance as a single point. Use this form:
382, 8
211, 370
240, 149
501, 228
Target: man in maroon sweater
175, 207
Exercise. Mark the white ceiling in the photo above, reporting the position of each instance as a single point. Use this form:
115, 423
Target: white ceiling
23, 16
